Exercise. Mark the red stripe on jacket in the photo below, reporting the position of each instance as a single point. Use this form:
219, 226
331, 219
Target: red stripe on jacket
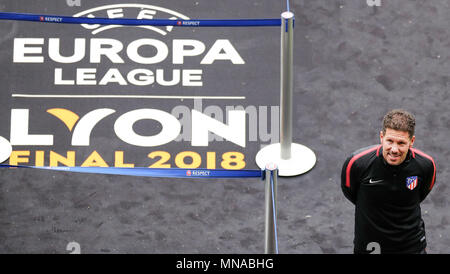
353, 159
414, 150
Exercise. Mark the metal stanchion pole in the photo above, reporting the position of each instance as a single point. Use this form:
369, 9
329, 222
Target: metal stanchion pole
286, 83
271, 245
292, 159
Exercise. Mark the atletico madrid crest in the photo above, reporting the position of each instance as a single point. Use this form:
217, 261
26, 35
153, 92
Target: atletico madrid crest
411, 182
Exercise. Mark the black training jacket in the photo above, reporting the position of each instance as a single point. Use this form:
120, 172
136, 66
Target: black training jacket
387, 199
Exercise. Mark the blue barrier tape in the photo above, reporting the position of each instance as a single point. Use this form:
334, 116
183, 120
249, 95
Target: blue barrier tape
156, 172
140, 22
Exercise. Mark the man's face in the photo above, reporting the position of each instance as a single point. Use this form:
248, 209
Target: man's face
395, 145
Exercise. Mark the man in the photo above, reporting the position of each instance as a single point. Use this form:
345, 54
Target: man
387, 183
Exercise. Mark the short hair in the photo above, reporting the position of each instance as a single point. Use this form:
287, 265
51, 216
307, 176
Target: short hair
399, 119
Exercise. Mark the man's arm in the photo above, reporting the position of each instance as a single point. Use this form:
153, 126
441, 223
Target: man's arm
347, 185
430, 173
352, 168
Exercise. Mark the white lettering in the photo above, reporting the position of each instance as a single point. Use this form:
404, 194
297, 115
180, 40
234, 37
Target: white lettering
175, 78
192, 78
82, 131
140, 77
246, 263
374, 3
53, 19
30, 50
233, 132
21, 50
124, 127
161, 51
113, 76
72, 3
197, 126
146, 14
86, 76
55, 55
87, 26
111, 51
59, 80
19, 131
222, 50
5, 149
115, 13
186, 47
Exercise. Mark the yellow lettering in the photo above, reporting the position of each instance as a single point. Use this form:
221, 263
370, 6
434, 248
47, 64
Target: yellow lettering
39, 161
162, 162
56, 158
94, 160
17, 157
118, 160
211, 160
196, 159
233, 160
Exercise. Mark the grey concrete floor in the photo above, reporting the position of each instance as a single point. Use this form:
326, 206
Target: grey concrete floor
352, 64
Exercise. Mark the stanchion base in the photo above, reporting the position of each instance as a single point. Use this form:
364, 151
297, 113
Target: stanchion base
302, 159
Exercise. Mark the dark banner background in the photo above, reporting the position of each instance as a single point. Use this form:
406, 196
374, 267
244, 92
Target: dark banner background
352, 64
